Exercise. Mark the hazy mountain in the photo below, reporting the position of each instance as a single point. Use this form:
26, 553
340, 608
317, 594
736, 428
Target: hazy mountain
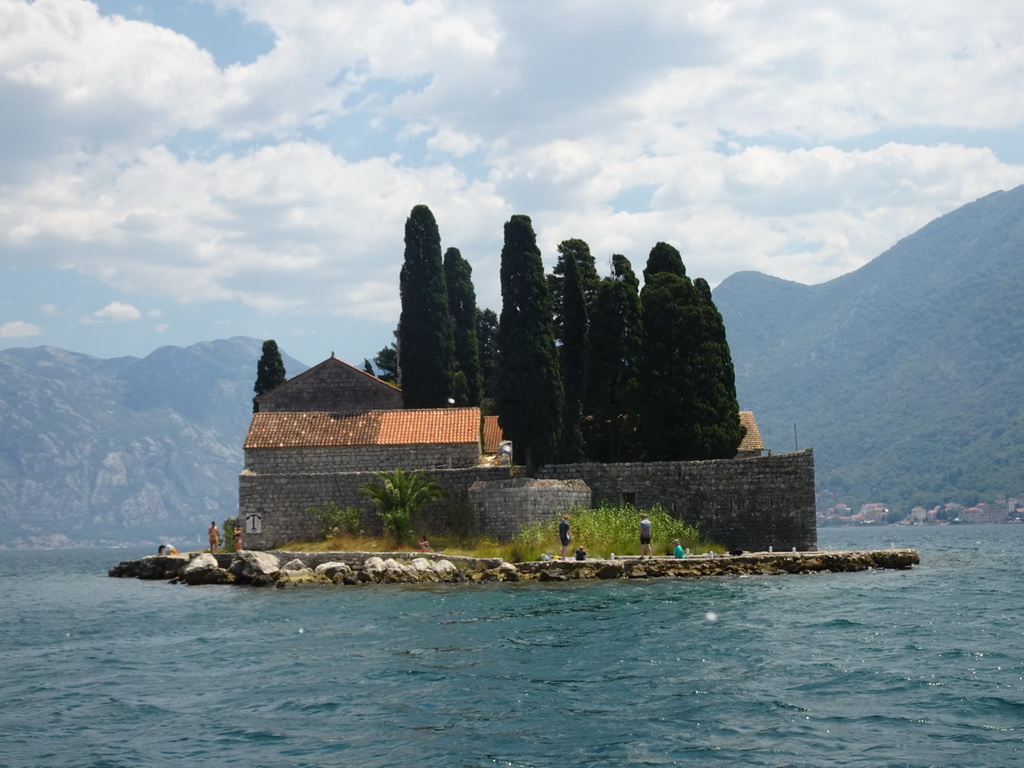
125, 449
906, 375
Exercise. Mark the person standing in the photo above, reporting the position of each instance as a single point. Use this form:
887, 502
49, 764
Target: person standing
238, 538
564, 535
214, 535
645, 536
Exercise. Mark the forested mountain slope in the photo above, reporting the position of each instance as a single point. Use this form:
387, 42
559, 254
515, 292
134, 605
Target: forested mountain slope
906, 375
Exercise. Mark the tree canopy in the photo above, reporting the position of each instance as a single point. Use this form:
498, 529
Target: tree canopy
458, 275
614, 367
426, 344
270, 371
530, 392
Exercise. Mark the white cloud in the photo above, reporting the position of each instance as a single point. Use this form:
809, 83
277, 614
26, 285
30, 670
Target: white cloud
17, 329
117, 312
793, 138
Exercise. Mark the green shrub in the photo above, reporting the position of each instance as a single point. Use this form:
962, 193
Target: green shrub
399, 495
336, 521
609, 529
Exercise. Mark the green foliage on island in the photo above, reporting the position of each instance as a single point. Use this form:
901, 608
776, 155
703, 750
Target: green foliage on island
399, 496
606, 530
601, 531
336, 521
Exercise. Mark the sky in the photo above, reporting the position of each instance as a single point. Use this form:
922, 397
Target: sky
179, 171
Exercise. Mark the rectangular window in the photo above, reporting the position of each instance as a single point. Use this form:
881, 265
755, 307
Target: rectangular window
629, 497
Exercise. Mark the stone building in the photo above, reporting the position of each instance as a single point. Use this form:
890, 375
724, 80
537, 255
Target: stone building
320, 436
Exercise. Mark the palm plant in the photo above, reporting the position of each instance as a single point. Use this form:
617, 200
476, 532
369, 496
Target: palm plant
399, 495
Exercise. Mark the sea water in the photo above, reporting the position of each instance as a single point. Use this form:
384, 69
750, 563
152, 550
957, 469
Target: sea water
881, 668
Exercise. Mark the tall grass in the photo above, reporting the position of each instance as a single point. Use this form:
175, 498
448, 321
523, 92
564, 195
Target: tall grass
608, 529
601, 531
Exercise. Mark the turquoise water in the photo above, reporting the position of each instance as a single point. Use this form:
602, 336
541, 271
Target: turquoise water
916, 668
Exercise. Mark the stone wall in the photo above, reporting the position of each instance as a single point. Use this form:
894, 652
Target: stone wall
282, 501
502, 507
749, 504
360, 458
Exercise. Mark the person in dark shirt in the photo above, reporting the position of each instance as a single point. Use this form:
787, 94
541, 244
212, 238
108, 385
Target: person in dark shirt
581, 553
563, 534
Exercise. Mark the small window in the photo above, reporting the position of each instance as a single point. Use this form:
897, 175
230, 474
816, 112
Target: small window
629, 497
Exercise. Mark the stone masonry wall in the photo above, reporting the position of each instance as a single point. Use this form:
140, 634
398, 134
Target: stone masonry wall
282, 501
502, 507
749, 504
360, 458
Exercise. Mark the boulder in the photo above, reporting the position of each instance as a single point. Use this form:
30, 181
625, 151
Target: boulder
445, 569
374, 568
335, 571
256, 568
295, 565
503, 572
396, 573
203, 569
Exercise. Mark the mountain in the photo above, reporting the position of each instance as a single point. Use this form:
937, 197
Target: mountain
96, 451
905, 376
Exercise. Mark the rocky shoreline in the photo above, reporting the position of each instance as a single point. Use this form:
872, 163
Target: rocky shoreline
282, 569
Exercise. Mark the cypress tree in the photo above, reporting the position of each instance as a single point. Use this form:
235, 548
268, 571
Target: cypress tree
426, 343
586, 275
614, 367
270, 371
462, 308
529, 389
718, 431
487, 340
572, 352
663, 258
670, 312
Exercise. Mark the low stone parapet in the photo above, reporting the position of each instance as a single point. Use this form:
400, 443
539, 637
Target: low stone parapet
351, 568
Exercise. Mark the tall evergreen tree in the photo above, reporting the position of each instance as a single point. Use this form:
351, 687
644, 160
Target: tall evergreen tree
487, 339
270, 371
670, 319
458, 276
426, 344
718, 431
529, 391
664, 258
586, 275
614, 367
572, 352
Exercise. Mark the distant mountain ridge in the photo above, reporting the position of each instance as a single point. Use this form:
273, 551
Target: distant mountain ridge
905, 375
106, 451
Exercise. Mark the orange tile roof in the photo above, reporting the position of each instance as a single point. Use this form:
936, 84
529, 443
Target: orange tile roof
751, 440
439, 425
492, 434
307, 429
